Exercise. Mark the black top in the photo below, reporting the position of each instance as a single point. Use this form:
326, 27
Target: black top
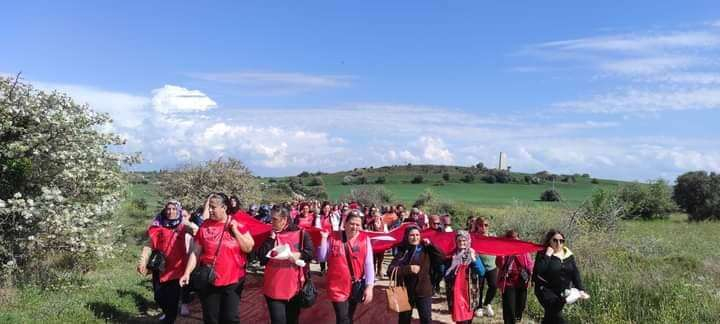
555, 273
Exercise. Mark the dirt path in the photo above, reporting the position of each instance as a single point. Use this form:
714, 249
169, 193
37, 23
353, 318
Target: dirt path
253, 308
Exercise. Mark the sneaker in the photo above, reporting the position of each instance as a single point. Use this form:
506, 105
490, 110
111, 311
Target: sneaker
184, 310
479, 312
161, 318
571, 295
489, 311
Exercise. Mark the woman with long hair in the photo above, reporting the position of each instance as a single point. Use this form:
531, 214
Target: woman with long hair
350, 273
556, 277
223, 243
414, 262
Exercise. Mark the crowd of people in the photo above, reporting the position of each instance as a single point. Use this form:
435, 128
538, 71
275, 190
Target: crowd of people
206, 252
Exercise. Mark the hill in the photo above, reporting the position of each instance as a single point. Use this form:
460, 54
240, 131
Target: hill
471, 185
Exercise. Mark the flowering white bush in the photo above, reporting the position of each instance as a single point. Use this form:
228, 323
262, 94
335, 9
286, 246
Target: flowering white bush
59, 183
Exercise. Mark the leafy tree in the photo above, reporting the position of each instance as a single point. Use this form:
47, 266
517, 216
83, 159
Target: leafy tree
316, 181
417, 179
192, 183
380, 180
468, 178
698, 194
59, 184
646, 201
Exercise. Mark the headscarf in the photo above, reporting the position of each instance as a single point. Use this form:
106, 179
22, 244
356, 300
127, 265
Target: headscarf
462, 256
162, 220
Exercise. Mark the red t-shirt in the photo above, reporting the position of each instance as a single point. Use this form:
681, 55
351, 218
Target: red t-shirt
230, 264
171, 242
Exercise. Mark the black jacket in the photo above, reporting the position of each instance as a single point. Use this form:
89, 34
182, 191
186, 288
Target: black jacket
556, 274
420, 284
306, 253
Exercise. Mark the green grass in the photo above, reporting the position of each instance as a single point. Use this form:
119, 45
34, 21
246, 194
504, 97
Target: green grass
480, 194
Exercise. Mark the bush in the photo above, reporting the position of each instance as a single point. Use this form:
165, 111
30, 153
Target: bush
446, 176
316, 181
191, 183
347, 180
369, 195
361, 180
550, 195
646, 202
698, 194
489, 178
59, 184
601, 212
595, 181
468, 178
380, 180
425, 198
417, 179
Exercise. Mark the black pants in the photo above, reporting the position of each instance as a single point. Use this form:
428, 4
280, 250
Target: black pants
552, 303
344, 312
513, 302
424, 307
220, 304
491, 280
167, 296
284, 311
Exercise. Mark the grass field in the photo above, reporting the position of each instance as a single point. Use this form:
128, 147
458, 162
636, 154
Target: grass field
477, 193
664, 271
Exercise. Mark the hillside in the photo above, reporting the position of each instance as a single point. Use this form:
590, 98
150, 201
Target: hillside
471, 185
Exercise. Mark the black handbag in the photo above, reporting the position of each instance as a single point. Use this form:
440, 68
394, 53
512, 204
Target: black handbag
156, 262
357, 287
203, 276
308, 292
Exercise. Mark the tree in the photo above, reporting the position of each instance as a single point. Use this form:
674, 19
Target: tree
698, 194
316, 181
192, 183
380, 180
59, 184
417, 179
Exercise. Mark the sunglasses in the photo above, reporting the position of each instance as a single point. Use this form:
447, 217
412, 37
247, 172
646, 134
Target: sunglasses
560, 241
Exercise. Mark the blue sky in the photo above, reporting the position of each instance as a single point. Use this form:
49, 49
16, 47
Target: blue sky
627, 90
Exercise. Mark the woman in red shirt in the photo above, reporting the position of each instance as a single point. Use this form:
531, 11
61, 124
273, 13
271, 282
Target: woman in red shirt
167, 235
220, 302
350, 260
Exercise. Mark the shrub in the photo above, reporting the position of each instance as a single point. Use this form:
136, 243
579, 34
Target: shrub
550, 195
425, 198
468, 178
646, 202
601, 212
316, 181
489, 178
417, 179
191, 183
347, 180
59, 184
369, 195
361, 180
380, 180
446, 176
698, 194
595, 181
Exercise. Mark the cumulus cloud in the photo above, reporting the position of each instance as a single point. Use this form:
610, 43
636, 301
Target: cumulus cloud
173, 99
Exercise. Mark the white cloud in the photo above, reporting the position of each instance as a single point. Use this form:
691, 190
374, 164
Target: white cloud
638, 42
173, 99
434, 150
126, 110
646, 101
649, 65
276, 83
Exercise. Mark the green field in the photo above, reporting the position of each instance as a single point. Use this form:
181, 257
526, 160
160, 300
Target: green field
477, 193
